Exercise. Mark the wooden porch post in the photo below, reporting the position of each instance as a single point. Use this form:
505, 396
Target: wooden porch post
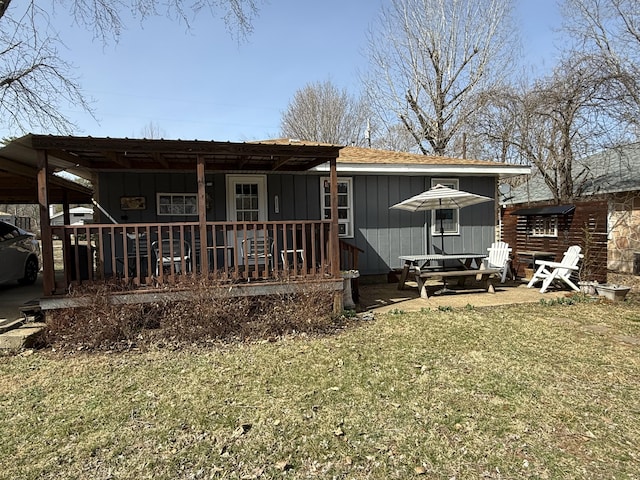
48, 278
66, 244
66, 215
338, 306
202, 215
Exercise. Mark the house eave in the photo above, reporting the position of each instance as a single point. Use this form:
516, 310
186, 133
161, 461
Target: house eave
412, 169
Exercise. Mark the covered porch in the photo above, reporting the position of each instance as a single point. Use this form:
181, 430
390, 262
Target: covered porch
264, 255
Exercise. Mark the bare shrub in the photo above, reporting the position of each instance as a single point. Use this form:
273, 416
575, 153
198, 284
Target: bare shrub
204, 310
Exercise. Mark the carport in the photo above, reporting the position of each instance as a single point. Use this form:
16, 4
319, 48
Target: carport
19, 185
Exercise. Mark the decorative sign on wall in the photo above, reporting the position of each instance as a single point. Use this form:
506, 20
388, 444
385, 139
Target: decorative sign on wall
133, 203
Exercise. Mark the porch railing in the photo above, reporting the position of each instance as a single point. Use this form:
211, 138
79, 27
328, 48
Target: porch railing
151, 253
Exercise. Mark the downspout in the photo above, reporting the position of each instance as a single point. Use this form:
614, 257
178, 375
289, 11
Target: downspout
113, 220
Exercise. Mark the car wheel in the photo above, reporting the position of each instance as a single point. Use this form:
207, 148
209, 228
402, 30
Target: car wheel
30, 272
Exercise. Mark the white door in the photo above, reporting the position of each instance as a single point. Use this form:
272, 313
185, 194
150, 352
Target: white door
246, 198
246, 202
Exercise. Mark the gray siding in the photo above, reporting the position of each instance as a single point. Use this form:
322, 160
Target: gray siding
383, 234
386, 234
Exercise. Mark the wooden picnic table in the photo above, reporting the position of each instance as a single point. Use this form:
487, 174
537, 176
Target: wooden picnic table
420, 263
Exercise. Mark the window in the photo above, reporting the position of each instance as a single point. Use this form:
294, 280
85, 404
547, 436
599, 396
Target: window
345, 204
177, 204
449, 216
544, 226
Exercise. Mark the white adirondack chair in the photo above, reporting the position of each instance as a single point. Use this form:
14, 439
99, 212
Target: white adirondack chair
500, 257
549, 272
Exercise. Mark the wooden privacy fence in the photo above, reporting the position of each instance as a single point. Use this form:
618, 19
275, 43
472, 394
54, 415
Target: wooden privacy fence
148, 253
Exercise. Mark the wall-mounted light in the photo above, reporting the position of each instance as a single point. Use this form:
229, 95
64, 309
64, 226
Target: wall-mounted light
276, 204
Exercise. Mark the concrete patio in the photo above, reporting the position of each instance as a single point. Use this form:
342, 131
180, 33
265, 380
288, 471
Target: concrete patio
386, 297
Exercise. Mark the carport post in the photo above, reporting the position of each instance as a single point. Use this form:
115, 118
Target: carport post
48, 280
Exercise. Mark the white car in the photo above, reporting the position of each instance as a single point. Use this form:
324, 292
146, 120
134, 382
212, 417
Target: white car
19, 253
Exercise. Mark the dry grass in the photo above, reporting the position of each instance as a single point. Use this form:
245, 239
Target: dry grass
536, 391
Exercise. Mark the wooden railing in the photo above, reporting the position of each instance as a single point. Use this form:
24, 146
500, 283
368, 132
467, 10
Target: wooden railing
146, 254
349, 256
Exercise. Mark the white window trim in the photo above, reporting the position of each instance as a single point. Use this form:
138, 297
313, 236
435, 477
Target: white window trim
349, 220
178, 194
263, 207
553, 234
435, 225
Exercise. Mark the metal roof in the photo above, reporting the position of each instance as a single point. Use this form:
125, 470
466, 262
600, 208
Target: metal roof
84, 155
545, 210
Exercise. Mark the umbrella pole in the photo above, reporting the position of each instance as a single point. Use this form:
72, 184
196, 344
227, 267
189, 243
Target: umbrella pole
441, 228
444, 288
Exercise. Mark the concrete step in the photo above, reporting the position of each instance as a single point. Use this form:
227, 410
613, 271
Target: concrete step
22, 337
6, 324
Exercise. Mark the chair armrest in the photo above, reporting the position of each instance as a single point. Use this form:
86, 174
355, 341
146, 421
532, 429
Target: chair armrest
556, 265
547, 263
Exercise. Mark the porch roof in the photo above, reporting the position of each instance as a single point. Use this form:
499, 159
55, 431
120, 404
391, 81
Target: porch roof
18, 184
82, 156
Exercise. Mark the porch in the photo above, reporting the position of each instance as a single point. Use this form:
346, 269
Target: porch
230, 236
237, 258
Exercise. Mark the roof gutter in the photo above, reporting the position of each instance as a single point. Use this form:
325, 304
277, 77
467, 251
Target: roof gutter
409, 169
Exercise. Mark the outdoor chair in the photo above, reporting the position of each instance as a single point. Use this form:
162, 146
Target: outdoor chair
500, 257
173, 252
256, 251
549, 272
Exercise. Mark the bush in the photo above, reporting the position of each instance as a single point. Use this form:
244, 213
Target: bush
202, 316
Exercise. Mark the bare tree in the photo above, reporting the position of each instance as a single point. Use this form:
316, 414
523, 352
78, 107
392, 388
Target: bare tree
431, 59
553, 123
394, 137
152, 131
36, 81
322, 112
608, 32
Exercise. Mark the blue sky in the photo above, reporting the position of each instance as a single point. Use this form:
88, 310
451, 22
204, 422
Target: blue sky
202, 84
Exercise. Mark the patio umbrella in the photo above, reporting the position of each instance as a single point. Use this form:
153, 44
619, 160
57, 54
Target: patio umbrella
440, 198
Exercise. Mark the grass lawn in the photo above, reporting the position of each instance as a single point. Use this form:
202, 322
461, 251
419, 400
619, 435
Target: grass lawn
533, 391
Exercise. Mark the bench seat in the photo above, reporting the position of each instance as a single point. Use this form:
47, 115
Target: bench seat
485, 276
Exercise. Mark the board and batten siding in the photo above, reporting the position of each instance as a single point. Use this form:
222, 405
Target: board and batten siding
385, 234
381, 233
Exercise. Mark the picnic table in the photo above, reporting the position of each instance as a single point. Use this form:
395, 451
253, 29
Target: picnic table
464, 265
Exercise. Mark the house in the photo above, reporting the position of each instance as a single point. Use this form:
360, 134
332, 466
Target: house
77, 216
603, 218
250, 213
377, 179
7, 217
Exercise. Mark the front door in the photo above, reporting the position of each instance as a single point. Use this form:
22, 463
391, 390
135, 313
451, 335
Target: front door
247, 202
246, 198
